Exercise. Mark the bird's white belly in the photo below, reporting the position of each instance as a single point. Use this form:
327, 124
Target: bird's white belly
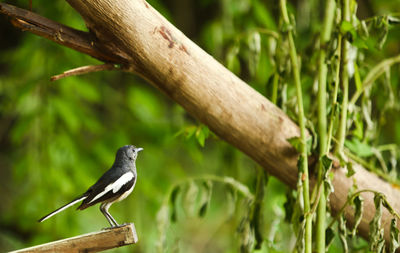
125, 194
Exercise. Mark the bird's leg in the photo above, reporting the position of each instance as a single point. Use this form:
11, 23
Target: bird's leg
104, 209
112, 218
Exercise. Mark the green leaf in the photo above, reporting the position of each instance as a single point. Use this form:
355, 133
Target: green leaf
257, 214
329, 236
232, 61
359, 148
358, 132
289, 205
388, 207
202, 134
190, 198
298, 208
174, 194
358, 212
343, 233
346, 27
394, 236
162, 216
254, 44
326, 163
244, 229
350, 169
189, 131
246, 236
328, 186
205, 197
162, 219
300, 166
296, 143
376, 232
300, 242
382, 26
173, 201
231, 195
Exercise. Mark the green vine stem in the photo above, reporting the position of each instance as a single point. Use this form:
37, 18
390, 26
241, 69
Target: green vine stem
275, 83
322, 122
303, 163
333, 115
344, 81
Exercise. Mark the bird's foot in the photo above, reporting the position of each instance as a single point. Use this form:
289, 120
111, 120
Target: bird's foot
123, 225
117, 226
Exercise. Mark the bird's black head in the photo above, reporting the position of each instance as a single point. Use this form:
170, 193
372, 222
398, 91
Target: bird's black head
128, 153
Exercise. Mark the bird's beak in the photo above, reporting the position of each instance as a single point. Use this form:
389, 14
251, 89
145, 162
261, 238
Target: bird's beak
139, 149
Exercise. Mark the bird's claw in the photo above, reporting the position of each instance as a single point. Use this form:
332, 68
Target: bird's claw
117, 226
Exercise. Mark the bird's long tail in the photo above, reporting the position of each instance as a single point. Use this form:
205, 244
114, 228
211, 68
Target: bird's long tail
73, 202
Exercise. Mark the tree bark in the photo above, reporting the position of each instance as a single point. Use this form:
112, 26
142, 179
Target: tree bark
157, 51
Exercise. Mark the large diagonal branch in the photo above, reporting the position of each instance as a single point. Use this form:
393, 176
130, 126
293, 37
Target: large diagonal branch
154, 49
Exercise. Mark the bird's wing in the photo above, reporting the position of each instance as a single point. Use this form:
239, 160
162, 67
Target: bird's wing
111, 185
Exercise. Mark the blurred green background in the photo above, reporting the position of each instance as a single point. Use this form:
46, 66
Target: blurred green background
57, 138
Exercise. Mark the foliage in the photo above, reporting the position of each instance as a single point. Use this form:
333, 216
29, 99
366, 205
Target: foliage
194, 192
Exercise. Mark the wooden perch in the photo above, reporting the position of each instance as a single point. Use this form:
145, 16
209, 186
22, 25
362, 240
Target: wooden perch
92, 242
157, 51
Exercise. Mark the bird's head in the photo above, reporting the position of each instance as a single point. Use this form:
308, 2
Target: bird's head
128, 152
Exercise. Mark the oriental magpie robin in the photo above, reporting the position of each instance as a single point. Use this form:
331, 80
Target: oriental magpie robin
115, 185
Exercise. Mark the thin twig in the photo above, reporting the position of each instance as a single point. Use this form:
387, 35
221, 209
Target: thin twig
84, 70
83, 42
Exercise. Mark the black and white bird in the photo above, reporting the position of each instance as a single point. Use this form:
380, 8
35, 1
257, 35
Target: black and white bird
115, 185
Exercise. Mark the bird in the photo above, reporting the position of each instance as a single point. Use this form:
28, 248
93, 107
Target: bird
113, 186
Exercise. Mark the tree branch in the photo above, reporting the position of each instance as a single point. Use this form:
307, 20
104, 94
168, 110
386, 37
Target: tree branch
80, 41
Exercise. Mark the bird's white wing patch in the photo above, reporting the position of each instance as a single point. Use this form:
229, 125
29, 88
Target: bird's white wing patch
114, 187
